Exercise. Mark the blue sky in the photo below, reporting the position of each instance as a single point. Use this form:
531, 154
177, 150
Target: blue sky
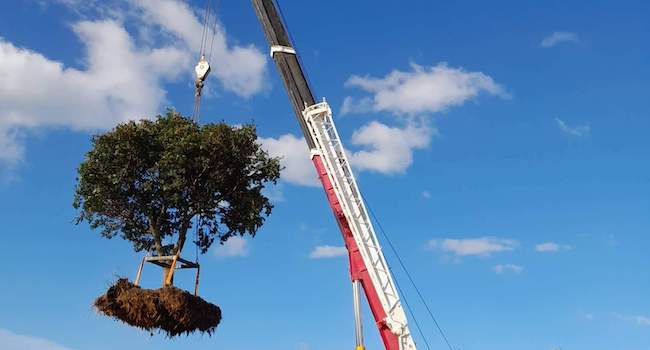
502, 144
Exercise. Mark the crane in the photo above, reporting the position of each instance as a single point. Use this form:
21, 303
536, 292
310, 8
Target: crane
368, 267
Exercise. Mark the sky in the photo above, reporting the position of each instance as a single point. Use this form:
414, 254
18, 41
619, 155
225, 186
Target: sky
503, 146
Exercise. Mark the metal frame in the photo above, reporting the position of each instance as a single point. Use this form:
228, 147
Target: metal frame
171, 262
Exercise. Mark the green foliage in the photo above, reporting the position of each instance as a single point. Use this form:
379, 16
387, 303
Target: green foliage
149, 180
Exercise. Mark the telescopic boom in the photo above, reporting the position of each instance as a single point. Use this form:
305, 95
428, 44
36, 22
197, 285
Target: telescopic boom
368, 267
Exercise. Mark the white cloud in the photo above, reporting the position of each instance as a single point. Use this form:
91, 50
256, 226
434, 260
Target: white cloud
577, 130
503, 268
589, 317
386, 150
234, 246
119, 82
483, 246
12, 341
551, 247
559, 38
389, 150
122, 77
298, 168
419, 91
240, 69
352, 106
328, 251
426, 195
640, 320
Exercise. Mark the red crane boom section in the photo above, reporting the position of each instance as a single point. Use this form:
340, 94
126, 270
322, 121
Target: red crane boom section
358, 270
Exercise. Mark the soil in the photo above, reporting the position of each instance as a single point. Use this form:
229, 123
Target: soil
168, 310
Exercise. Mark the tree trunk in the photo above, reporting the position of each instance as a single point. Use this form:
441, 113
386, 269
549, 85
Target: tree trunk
182, 234
157, 241
164, 277
159, 250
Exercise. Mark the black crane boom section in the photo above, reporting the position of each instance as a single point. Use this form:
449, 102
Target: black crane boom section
288, 65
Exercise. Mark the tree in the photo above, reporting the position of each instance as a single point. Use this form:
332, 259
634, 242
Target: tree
150, 180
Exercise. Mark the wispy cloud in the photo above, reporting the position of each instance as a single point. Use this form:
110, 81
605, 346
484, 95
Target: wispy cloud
426, 195
13, 341
573, 130
328, 251
558, 38
551, 247
234, 246
11, 148
504, 268
483, 246
640, 320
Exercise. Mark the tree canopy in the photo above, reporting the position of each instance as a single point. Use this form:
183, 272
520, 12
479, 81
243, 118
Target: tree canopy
149, 180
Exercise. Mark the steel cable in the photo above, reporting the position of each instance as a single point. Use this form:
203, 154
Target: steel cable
408, 275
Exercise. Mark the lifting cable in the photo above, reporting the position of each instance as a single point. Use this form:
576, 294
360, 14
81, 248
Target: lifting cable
415, 319
206, 27
410, 278
214, 28
202, 68
202, 71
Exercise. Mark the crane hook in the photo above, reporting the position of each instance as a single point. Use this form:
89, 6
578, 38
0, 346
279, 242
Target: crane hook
202, 70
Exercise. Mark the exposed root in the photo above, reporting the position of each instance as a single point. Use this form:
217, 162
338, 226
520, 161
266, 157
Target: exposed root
169, 310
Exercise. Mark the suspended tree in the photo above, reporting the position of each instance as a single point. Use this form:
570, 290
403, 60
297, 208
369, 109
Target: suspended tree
151, 182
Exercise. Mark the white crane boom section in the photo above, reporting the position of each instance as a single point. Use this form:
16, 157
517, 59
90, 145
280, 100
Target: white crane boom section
328, 145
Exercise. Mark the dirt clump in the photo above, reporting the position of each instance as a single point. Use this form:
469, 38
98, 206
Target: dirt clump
169, 310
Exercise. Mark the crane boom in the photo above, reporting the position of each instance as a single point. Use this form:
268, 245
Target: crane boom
368, 266
286, 61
